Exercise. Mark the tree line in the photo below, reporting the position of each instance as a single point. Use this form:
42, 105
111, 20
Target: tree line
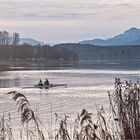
28, 52
10, 49
91, 52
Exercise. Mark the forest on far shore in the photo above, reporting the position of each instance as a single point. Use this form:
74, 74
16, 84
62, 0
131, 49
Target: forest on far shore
92, 52
28, 52
69, 52
10, 49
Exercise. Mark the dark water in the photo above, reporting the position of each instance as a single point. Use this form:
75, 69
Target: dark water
82, 64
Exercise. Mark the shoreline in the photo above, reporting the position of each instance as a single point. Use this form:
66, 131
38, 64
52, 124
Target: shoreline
10, 65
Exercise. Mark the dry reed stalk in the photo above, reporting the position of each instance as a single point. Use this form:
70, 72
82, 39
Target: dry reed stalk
126, 106
27, 116
84, 128
104, 125
5, 128
62, 132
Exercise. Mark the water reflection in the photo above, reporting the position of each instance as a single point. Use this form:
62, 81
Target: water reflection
82, 64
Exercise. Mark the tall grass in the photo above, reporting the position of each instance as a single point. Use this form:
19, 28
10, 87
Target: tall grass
5, 128
120, 122
127, 108
27, 118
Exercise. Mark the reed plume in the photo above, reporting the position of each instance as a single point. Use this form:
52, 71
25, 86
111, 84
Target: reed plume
62, 132
27, 115
86, 129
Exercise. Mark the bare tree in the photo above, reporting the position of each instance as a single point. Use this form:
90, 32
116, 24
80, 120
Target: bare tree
15, 39
1, 37
7, 39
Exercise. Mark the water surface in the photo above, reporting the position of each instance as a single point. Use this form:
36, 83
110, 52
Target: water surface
85, 88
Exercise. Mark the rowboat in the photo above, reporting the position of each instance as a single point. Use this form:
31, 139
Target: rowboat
46, 86
50, 86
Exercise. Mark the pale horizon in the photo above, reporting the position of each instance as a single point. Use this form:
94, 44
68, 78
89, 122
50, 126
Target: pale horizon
68, 21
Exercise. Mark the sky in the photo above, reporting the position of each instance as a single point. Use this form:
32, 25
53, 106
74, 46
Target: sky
60, 21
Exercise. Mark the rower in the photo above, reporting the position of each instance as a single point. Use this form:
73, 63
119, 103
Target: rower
40, 83
46, 82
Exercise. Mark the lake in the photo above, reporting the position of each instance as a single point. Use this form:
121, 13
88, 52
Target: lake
85, 88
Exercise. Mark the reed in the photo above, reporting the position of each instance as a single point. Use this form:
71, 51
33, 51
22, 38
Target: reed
62, 132
120, 122
126, 100
86, 127
5, 127
27, 117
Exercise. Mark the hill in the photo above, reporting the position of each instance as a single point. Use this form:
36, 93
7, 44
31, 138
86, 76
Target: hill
129, 37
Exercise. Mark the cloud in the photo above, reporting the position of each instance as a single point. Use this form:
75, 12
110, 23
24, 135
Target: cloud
68, 19
62, 9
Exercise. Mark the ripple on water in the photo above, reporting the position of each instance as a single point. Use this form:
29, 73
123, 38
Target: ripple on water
85, 88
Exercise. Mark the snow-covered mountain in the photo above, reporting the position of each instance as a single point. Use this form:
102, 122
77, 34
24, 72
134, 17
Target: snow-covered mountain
30, 41
129, 37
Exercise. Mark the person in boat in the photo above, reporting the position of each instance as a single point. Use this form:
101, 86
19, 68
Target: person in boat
40, 83
46, 82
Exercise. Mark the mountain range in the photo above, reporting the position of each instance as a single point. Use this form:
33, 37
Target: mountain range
30, 41
129, 37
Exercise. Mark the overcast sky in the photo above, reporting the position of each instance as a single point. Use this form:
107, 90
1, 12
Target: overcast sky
69, 20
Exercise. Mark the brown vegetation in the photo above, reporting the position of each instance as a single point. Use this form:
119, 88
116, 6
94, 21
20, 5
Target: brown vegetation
121, 122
